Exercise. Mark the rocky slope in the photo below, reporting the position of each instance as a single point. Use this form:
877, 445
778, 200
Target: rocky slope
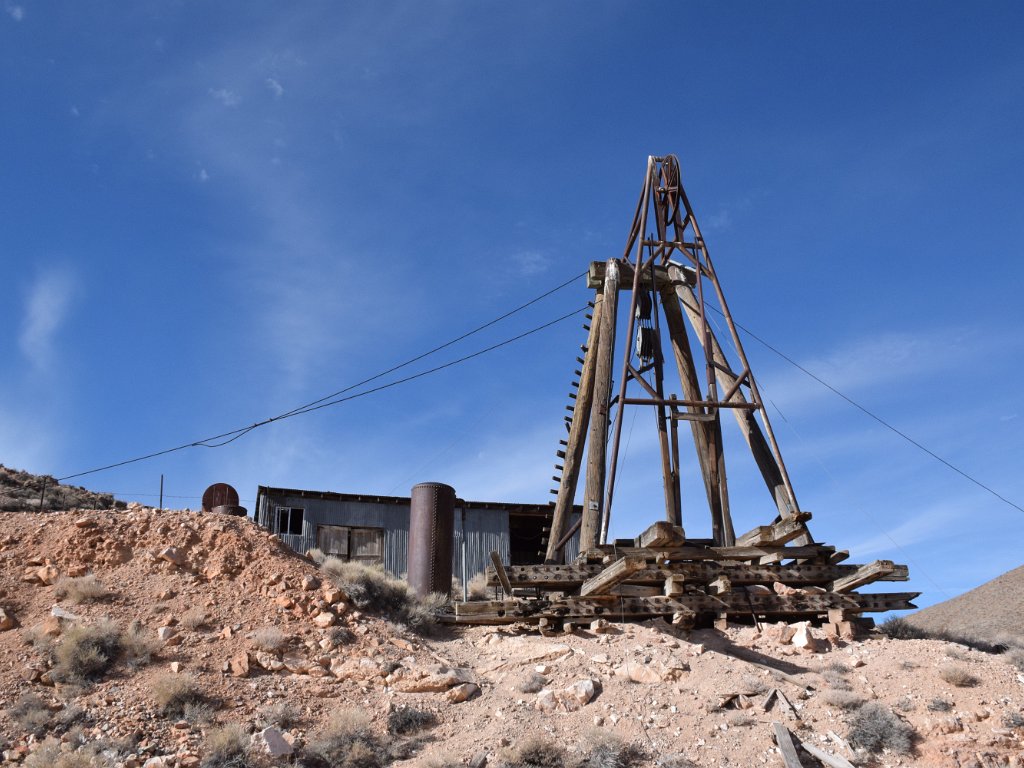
991, 612
22, 491
261, 638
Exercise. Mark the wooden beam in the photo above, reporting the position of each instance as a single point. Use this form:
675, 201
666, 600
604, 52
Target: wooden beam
614, 574
865, 575
568, 577
577, 437
596, 273
661, 534
499, 570
598, 440
785, 741
712, 553
780, 532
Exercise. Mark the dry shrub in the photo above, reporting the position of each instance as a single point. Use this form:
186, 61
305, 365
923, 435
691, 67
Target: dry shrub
81, 589
609, 751
1013, 720
194, 619
753, 684
36, 637
940, 705
31, 714
532, 683
841, 698
374, 590
677, 760
173, 692
874, 728
138, 645
740, 720
226, 748
905, 704
281, 714
86, 652
536, 752
959, 676
406, 720
340, 635
270, 639
836, 680
347, 741
901, 629
49, 754
1016, 658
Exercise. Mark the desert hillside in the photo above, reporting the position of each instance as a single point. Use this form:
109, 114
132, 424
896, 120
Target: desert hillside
175, 639
992, 612
22, 491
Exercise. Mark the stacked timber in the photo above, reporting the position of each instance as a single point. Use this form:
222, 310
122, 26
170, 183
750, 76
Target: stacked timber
691, 582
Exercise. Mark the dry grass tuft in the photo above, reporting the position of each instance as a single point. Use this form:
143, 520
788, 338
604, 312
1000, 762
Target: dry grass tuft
174, 692
408, 720
836, 680
940, 705
49, 754
86, 652
959, 676
347, 741
226, 748
81, 589
532, 683
282, 714
31, 714
340, 635
1016, 658
609, 751
874, 728
535, 752
194, 619
842, 699
138, 645
372, 589
270, 639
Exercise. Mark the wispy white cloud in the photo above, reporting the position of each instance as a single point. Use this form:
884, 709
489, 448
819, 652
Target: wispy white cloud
203, 176
275, 87
226, 96
720, 220
46, 307
530, 262
16, 12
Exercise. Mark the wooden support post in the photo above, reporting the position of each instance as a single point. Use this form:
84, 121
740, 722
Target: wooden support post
577, 433
499, 569
691, 387
780, 532
613, 575
723, 532
598, 441
785, 741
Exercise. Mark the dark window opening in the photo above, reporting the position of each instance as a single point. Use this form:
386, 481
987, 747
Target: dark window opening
288, 520
527, 539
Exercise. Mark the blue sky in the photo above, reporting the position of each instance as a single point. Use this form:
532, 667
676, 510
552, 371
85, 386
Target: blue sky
216, 212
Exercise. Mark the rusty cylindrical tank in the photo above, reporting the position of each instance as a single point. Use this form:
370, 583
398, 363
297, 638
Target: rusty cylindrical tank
431, 537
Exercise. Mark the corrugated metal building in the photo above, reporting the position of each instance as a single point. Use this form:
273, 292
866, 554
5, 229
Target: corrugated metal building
376, 528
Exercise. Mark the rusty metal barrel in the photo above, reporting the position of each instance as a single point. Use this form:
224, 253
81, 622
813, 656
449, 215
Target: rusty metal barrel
431, 537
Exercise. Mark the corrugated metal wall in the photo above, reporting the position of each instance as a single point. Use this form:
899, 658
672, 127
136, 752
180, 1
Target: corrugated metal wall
484, 530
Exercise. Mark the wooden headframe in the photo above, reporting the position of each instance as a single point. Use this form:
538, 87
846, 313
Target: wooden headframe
670, 277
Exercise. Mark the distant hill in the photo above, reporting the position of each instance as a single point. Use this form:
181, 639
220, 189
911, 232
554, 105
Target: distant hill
987, 612
21, 491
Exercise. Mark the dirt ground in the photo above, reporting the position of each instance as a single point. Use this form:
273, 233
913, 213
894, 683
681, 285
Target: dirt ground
214, 584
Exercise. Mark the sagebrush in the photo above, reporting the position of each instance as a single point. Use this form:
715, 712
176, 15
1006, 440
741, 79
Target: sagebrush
874, 728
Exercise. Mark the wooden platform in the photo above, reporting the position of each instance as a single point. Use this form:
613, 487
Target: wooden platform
690, 583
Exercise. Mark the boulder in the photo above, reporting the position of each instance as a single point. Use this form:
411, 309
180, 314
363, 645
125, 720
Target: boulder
173, 555
7, 620
324, 619
463, 692
239, 665
272, 742
436, 679
638, 673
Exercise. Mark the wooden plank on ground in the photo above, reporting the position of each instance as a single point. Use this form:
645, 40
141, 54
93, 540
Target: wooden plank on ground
864, 575
614, 574
499, 570
786, 746
833, 761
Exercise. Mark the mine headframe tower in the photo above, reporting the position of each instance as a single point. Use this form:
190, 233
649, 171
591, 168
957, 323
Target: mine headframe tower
668, 271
